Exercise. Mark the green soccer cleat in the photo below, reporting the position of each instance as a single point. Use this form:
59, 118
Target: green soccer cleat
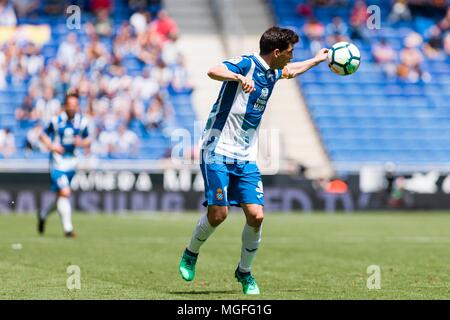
187, 265
249, 285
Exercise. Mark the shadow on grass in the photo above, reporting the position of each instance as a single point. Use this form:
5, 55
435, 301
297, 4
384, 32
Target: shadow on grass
193, 292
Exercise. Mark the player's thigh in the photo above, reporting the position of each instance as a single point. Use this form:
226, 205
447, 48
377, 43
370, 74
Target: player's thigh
216, 180
248, 185
60, 181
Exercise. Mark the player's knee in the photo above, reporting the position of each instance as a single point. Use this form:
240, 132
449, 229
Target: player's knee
64, 193
216, 215
256, 218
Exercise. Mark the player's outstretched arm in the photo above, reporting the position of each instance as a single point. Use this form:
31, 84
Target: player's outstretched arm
82, 142
221, 73
294, 69
49, 145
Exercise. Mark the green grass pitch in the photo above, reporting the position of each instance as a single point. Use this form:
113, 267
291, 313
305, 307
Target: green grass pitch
302, 256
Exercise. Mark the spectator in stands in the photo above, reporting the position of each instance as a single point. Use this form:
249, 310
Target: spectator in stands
434, 45
140, 21
399, 12
305, 9
336, 31
385, 56
149, 46
158, 112
181, 79
25, 8
447, 43
161, 74
358, 20
136, 110
32, 59
127, 143
411, 59
26, 110
314, 31
444, 24
96, 54
165, 25
171, 51
16, 69
7, 143
99, 5
47, 106
68, 51
103, 23
7, 14
54, 7
124, 43
144, 86
3, 70
104, 146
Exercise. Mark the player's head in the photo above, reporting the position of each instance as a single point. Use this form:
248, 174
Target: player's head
279, 44
71, 103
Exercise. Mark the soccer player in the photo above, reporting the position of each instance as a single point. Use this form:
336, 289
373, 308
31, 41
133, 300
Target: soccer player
64, 134
229, 145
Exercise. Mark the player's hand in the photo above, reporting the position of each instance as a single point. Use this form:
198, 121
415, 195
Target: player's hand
322, 55
248, 85
57, 148
78, 142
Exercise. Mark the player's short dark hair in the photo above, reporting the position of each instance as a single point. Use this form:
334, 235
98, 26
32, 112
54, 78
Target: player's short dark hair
277, 38
70, 94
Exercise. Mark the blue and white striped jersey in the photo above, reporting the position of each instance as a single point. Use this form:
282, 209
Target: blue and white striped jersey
63, 130
233, 124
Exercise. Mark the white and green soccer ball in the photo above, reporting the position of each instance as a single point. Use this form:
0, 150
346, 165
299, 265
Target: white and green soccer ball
344, 58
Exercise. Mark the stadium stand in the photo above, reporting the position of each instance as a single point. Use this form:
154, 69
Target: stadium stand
381, 113
125, 62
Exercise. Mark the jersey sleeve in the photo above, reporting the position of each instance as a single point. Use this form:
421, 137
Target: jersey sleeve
239, 65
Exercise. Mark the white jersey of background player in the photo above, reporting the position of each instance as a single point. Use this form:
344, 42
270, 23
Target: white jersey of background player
63, 135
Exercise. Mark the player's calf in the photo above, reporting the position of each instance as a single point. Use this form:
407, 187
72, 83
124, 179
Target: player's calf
65, 210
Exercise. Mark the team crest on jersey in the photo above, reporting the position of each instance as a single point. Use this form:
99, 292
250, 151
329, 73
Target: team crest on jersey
219, 194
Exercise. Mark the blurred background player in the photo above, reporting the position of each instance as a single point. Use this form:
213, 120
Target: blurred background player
64, 134
230, 141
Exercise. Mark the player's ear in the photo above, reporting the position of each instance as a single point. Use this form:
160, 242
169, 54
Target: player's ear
276, 53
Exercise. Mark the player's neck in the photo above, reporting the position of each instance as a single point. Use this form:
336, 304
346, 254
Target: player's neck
268, 59
70, 117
